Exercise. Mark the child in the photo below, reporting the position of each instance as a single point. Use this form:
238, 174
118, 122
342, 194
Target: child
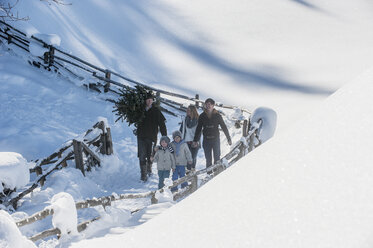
165, 160
183, 157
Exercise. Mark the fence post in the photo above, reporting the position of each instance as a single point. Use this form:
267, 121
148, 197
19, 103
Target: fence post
78, 154
244, 128
194, 184
109, 142
197, 103
157, 98
51, 55
107, 76
153, 200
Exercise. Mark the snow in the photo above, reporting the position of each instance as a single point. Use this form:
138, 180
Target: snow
37, 49
65, 215
315, 192
14, 170
268, 117
308, 186
50, 39
10, 235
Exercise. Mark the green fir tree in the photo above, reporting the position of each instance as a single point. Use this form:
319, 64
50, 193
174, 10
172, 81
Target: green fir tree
130, 106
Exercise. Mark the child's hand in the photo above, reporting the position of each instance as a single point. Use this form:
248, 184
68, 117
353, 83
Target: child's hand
151, 158
156, 148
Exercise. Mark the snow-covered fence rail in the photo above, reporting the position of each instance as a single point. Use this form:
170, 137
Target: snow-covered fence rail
50, 57
251, 138
80, 149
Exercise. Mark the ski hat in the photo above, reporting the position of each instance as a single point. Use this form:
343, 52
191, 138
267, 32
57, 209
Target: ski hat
165, 138
210, 100
149, 95
176, 133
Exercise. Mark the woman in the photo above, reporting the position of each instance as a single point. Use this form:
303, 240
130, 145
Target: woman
188, 130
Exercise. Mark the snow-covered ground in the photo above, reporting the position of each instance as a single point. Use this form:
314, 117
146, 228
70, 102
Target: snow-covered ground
307, 187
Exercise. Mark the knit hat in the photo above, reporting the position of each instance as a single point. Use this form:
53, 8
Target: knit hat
149, 95
165, 138
176, 133
210, 100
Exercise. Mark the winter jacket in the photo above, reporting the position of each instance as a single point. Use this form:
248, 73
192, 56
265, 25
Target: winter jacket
210, 126
188, 129
151, 124
182, 153
165, 159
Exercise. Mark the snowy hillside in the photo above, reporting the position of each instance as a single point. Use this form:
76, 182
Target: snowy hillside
308, 187
311, 187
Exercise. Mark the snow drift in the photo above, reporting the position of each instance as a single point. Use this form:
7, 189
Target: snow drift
310, 187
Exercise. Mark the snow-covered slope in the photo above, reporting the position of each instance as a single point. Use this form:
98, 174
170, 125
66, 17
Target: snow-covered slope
286, 55
311, 187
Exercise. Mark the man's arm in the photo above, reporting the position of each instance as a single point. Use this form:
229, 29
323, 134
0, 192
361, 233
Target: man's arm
225, 129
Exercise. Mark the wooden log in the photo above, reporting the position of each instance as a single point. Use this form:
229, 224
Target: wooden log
35, 217
245, 128
92, 154
107, 85
109, 142
46, 233
78, 155
55, 231
154, 200
104, 200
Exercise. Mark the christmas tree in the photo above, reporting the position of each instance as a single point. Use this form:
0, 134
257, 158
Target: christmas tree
130, 105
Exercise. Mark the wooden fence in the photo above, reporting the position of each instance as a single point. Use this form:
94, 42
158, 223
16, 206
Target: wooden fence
84, 152
105, 80
248, 142
101, 79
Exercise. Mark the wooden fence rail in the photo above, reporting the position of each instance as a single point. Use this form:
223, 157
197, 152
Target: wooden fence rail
56, 59
237, 152
71, 150
18, 38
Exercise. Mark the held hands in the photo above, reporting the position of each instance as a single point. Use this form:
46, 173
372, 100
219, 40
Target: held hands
229, 141
194, 144
151, 158
156, 149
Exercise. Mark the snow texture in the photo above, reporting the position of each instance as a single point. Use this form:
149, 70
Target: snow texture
50, 39
65, 215
14, 170
10, 235
269, 120
37, 49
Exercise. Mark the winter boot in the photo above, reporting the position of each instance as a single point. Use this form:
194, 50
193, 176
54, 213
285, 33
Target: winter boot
143, 178
149, 168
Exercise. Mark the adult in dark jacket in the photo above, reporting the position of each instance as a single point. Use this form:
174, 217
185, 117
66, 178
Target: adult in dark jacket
147, 132
208, 123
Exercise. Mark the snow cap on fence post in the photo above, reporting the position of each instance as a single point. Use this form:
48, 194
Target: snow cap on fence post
269, 120
65, 217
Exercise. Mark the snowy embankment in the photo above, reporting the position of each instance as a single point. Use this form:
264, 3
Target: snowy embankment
310, 187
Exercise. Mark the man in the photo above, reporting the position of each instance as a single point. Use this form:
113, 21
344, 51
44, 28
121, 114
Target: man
147, 132
209, 121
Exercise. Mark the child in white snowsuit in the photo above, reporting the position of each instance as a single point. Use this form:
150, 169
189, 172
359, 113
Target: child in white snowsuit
165, 160
183, 157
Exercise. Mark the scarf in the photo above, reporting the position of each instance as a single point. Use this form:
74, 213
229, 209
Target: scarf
167, 147
190, 122
177, 146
